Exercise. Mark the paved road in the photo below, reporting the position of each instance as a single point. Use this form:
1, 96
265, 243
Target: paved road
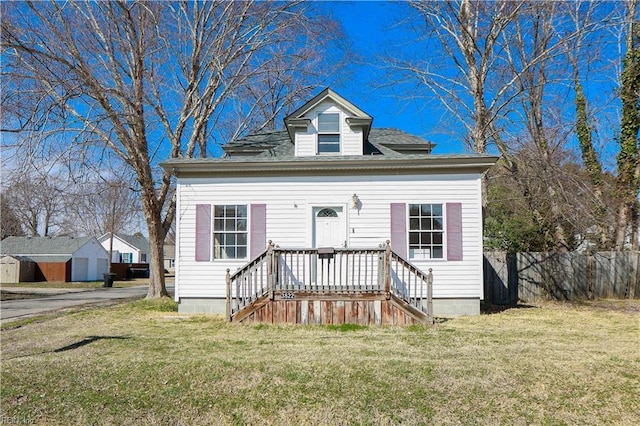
60, 299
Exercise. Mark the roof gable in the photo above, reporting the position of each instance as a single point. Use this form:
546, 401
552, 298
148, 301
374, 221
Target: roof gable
299, 119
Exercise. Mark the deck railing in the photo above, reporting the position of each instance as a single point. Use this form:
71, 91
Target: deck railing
329, 270
410, 283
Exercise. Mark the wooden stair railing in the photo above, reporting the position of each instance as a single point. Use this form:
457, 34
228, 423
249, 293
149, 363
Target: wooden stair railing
328, 270
250, 282
408, 283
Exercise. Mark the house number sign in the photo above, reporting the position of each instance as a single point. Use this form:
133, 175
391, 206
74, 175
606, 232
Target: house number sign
288, 296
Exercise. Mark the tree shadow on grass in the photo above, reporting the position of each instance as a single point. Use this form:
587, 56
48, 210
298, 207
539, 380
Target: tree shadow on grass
72, 346
87, 341
489, 309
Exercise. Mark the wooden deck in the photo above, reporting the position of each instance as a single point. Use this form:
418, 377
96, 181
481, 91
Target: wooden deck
330, 286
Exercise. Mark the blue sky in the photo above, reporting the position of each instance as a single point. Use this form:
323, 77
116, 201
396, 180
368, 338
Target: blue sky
370, 27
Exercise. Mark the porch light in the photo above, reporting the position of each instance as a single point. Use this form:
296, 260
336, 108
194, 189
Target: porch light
355, 200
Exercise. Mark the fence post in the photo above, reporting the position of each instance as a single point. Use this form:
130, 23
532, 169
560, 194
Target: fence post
228, 281
387, 269
430, 296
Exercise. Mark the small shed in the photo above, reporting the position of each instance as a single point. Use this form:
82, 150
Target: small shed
60, 258
16, 269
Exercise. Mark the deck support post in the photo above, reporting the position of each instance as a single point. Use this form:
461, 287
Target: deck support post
430, 296
387, 270
228, 307
271, 268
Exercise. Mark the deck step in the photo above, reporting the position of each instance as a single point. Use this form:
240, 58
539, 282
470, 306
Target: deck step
323, 309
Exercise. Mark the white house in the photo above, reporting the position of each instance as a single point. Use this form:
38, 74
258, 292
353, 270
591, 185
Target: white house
329, 191
60, 258
126, 248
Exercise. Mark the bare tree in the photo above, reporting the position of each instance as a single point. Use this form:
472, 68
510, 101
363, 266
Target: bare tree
144, 80
36, 197
95, 208
500, 70
9, 223
463, 75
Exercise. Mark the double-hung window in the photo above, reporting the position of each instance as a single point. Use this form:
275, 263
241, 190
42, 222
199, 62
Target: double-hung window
426, 231
328, 133
230, 232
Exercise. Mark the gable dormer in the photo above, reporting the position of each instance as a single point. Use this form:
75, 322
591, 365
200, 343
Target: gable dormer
328, 125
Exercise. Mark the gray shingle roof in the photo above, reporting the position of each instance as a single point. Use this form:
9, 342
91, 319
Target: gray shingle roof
138, 241
49, 246
276, 144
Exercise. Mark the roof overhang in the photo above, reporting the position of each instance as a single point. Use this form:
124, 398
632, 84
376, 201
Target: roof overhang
364, 122
296, 123
460, 164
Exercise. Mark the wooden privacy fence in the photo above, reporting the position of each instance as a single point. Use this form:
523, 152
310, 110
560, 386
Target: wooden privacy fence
510, 278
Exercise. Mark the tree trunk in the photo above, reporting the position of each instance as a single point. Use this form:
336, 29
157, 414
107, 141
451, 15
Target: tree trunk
627, 183
156, 266
622, 222
592, 164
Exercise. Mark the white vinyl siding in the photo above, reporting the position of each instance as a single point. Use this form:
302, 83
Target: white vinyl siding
289, 204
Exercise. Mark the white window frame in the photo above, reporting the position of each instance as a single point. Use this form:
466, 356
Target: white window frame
425, 250
324, 132
220, 250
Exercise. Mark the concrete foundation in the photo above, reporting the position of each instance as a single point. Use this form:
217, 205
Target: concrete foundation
202, 306
455, 307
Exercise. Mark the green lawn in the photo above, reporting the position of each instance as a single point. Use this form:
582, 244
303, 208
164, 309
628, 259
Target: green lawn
141, 363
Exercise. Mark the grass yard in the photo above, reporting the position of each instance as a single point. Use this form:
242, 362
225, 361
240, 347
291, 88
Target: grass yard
141, 363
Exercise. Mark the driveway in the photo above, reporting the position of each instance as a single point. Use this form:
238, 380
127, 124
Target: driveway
60, 299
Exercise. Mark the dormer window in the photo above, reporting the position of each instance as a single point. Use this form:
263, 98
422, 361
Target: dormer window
328, 133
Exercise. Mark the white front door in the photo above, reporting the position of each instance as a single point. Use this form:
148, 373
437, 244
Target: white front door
329, 231
330, 227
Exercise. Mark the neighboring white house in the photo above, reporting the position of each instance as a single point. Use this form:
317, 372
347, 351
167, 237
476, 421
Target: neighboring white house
60, 258
330, 180
127, 248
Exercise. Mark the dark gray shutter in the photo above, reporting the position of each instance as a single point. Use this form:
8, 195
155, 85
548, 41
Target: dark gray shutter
454, 231
203, 232
258, 229
399, 228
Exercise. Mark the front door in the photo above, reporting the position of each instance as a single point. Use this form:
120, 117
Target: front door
329, 229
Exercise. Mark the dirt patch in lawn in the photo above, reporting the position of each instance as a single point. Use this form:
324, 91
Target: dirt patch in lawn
10, 295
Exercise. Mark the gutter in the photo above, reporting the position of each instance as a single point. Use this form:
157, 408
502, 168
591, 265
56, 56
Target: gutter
430, 164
